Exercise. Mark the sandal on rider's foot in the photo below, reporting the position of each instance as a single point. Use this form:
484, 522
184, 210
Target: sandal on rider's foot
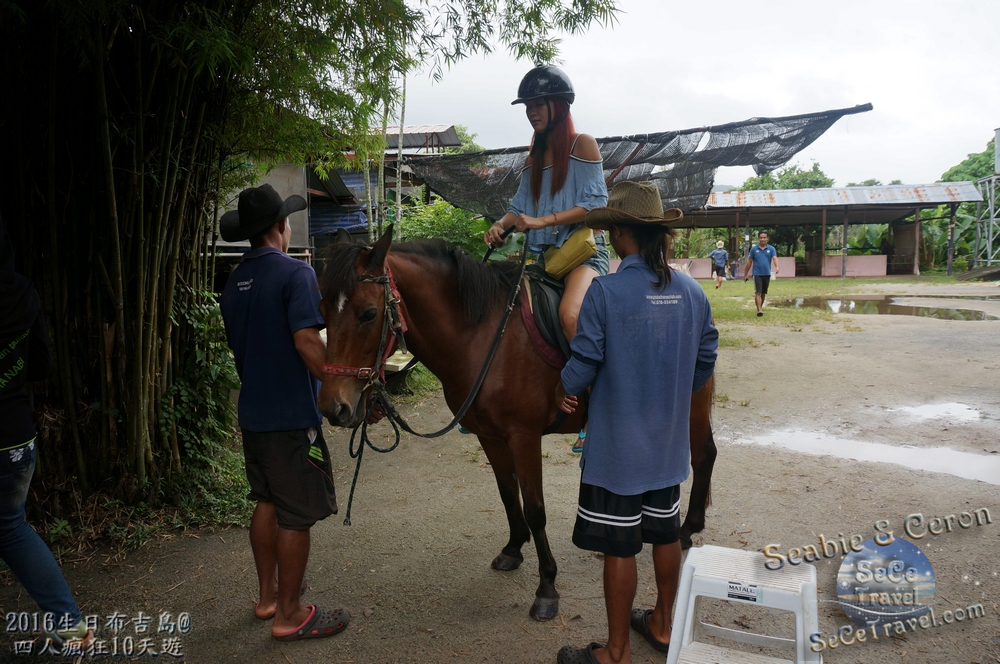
320, 624
571, 655
578, 446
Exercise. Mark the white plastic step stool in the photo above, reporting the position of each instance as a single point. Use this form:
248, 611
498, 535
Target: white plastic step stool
740, 576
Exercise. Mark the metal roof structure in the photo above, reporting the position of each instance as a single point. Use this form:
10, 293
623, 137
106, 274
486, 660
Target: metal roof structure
800, 207
423, 137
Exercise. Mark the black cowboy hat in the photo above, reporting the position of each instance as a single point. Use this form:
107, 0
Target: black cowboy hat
259, 209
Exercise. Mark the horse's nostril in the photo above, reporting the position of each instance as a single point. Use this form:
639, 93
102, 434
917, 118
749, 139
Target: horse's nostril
342, 413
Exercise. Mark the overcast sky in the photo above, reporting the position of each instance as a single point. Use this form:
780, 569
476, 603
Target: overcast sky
931, 70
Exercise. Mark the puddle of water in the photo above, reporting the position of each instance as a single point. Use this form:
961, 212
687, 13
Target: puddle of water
878, 304
956, 412
935, 459
951, 297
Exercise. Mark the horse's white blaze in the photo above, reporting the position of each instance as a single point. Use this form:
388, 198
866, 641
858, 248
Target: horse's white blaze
341, 301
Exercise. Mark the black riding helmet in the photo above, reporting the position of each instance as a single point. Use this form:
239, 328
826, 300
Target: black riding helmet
544, 81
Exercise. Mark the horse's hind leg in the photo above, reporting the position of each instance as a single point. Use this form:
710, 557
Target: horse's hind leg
703, 452
528, 461
510, 558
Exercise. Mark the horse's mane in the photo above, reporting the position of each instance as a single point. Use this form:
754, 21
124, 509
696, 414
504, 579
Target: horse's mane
481, 287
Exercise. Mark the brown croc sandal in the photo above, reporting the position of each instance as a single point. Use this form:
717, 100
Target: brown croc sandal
571, 655
320, 624
638, 621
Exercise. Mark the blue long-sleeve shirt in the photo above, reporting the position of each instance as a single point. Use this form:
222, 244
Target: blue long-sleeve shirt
639, 348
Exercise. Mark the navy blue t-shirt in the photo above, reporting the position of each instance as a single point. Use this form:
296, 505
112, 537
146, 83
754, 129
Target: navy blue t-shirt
269, 297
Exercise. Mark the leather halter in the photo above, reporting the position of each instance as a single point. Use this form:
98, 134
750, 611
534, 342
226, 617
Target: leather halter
392, 320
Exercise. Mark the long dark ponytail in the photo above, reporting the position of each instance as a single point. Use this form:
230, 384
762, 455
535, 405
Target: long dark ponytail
653, 240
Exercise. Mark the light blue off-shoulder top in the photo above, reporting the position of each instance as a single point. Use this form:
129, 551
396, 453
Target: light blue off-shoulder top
584, 188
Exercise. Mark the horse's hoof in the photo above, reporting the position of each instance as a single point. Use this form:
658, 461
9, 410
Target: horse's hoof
685, 541
505, 563
544, 608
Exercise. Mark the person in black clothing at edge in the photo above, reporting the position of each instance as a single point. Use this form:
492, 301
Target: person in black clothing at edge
24, 357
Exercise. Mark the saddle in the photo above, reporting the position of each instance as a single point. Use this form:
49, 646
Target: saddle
540, 298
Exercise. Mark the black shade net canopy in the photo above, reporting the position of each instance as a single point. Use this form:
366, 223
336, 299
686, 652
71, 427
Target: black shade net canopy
485, 182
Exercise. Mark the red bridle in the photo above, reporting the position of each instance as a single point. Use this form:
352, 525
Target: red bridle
392, 320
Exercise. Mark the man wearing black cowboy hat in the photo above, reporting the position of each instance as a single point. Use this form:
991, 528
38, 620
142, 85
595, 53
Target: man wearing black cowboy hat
645, 343
271, 310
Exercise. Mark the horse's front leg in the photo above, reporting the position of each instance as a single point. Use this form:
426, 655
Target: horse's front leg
497, 451
527, 453
703, 453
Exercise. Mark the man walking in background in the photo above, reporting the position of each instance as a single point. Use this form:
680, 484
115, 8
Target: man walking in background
764, 262
271, 310
720, 257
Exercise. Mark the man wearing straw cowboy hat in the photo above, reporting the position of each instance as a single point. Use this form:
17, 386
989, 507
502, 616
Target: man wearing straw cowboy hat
271, 310
645, 342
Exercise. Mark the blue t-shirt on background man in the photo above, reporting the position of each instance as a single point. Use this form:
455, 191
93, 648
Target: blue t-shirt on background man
762, 260
720, 256
269, 297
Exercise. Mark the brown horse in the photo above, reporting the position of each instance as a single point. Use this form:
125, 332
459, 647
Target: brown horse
452, 306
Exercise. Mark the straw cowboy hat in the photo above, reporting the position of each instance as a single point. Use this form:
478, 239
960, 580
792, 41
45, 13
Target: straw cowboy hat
633, 203
259, 208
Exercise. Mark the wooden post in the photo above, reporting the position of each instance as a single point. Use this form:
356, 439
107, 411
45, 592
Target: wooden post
822, 248
918, 235
749, 239
843, 246
734, 244
951, 237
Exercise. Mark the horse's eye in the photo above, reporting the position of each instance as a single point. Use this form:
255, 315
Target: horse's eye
368, 316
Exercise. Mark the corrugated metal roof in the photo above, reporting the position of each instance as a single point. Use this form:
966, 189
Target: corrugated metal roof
896, 194
420, 136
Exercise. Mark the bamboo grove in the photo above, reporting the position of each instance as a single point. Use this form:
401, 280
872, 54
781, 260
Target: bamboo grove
127, 125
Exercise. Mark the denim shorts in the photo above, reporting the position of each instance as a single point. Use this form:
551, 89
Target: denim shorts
599, 262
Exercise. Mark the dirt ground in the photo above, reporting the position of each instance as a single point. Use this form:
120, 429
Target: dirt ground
414, 568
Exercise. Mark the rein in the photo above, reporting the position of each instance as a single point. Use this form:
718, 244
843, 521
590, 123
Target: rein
375, 375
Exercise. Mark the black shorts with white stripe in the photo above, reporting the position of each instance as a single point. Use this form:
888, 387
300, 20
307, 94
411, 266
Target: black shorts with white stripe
619, 525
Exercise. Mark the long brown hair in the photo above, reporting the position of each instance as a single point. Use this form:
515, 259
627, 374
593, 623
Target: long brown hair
558, 135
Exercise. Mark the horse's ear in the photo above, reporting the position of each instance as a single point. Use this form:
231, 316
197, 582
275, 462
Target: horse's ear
376, 257
343, 237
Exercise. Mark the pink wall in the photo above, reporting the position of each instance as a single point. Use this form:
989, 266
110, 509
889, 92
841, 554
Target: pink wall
857, 266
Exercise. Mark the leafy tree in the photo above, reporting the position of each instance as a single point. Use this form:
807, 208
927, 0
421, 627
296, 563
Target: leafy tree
866, 183
973, 168
935, 229
789, 177
468, 141
135, 122
440, 219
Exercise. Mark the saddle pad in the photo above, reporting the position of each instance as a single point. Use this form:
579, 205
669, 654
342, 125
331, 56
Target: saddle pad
547, 351
544, 294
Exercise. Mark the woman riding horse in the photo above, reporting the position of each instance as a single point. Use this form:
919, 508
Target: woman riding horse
562, 180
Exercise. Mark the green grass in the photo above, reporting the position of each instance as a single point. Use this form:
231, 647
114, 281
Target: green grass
421, 383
